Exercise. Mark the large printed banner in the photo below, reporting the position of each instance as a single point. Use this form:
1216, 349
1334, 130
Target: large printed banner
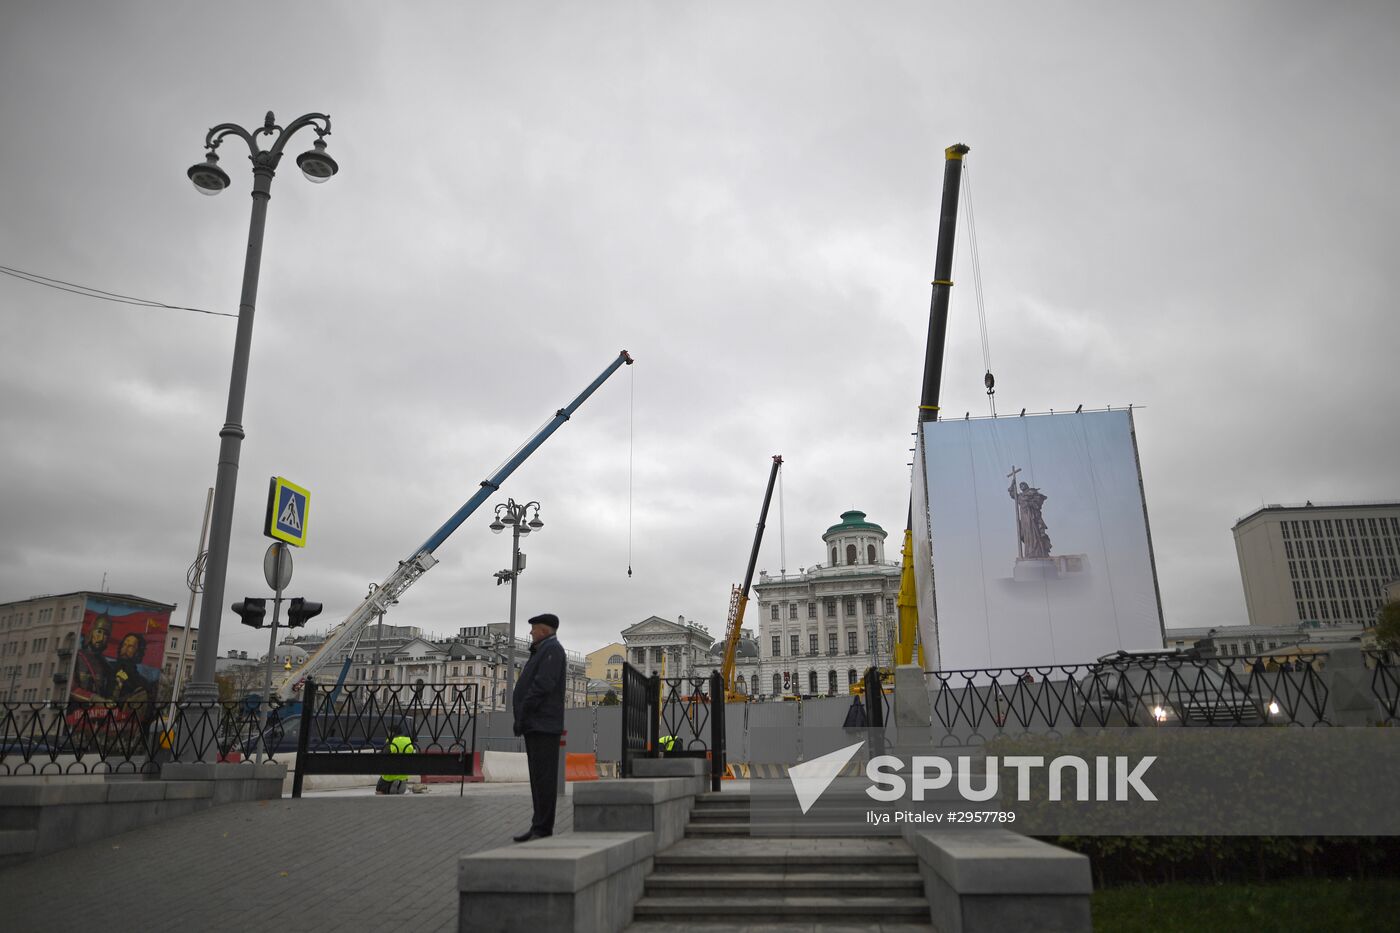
1038, 541
120, 656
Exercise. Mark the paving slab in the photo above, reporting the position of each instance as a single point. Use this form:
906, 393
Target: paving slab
334, 863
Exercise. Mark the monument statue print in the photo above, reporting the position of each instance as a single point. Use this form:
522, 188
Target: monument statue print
1032, 533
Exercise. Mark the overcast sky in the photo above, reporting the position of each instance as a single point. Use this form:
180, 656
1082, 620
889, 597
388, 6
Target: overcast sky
1189, 207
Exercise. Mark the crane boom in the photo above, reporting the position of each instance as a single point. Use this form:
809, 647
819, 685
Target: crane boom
422, 560
908, 647
740, 596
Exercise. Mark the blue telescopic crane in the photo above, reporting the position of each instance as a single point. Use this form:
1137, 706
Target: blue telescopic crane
422, 560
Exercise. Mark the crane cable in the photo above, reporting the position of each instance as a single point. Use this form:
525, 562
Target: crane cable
988, 380
631, 423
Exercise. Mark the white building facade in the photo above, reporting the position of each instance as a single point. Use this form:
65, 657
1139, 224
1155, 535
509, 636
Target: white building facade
823, 626
671, 649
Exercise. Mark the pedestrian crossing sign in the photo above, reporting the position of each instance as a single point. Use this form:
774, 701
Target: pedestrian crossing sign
287, 505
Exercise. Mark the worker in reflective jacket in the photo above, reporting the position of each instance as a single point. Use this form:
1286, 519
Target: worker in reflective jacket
667, 742
400, 744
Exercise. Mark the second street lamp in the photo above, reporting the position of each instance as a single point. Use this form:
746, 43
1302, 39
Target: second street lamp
209, 178
521, 519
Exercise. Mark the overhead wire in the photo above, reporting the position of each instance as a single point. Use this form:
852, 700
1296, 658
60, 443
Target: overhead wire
631, 446
988, 380
88, 292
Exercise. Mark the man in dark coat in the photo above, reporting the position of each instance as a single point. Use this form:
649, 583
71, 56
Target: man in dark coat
538, 704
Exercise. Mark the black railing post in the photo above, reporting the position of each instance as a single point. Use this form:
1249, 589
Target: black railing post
717, 747
624, 757
308, 711
874, 699
654, 716
874, 712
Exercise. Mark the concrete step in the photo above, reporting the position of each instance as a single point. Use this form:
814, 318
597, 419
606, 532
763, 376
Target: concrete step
792, 864
782, 908
767, 884
694, 829
864, 925
723, 814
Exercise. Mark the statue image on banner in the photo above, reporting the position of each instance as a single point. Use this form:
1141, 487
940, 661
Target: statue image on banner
1037, 526
1033, 534
1033, 558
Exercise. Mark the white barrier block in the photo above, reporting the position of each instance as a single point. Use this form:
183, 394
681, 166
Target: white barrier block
501, 767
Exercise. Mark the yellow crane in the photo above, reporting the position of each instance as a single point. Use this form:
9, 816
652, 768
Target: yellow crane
907, 647
739, 597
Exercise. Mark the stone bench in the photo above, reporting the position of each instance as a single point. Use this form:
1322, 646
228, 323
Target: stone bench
574, 883
995, 880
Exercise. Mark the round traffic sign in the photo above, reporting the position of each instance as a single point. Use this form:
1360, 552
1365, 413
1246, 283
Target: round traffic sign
277, 566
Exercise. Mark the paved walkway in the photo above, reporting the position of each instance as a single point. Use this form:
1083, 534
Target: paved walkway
343, 861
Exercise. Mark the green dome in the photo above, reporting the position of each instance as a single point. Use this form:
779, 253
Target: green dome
853, 521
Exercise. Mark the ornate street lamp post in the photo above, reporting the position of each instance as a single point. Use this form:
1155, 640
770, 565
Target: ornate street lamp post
208, 178
522, 519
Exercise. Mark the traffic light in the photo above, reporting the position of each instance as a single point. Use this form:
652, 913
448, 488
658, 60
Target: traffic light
300, 610
252, 610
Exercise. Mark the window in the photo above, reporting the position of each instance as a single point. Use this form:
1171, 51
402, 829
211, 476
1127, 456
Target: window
850, 607
812, 642
870, 553
792, 642
851, 677
777, 646
831, 683
851, 642
831, 642
1284, 526
811, 608
639, 655
850, 554
889, 605
831, 607
792, 610
777, 684
1288, 549
870, 605
812, 682
834, 561
774, 613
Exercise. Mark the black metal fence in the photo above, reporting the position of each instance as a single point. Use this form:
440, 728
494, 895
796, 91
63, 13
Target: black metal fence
1144, 692
54, 738
351, 730
673, 717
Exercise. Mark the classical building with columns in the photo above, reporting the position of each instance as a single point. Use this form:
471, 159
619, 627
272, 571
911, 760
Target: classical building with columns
673, 649
824, 625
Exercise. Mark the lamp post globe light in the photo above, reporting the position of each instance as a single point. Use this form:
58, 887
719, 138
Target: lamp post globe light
521, 519
208, 178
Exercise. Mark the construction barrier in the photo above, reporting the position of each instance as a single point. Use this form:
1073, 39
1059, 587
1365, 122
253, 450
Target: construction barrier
504, 767
581, 766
